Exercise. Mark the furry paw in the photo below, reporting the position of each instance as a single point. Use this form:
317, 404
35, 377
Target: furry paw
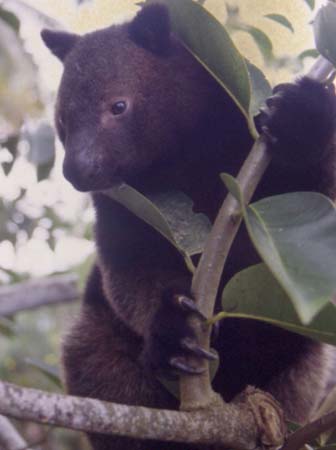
171, 340
298, 122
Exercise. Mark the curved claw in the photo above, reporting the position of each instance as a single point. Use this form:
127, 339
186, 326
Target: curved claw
188, 305
181, 365
193, 347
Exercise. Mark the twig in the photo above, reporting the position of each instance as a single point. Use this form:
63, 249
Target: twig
305, 434
210, 268
10, 439
34, 293
235, 429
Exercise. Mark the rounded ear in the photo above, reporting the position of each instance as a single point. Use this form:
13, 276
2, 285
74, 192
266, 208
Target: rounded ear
59, 42
151, 28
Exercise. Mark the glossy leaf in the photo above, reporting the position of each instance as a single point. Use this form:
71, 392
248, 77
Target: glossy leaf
41, 139
282, 20
169, 213
211, 44
232, 186
309, 53
189, 229
262, 41
261, 88
7, 327
295, 234
255, 293
9, 18
310, 3
10, 145
324, 31
143, 208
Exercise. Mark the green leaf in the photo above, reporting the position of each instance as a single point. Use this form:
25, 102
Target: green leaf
261, 88
282, 20
7, 327
10, 19
309, 53
324, 31
232, 186
210, 43
169, 213
11, 145
41, 139
295, 234
254, 293
143, 208
51, 372
262, 41
189, 229
310, 3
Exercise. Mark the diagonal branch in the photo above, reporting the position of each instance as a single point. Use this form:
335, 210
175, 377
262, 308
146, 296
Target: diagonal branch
39, 292
10, 439
310, 431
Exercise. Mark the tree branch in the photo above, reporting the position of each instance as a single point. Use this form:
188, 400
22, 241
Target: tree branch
235, 428
40, 292
310, 431
10, 439
196, 391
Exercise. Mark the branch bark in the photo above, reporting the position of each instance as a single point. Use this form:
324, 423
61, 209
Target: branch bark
35, 293
196, 391
236, 428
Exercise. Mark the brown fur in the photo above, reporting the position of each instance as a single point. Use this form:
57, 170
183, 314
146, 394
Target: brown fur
179, 131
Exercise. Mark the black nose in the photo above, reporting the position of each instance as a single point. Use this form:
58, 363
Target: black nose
80, 172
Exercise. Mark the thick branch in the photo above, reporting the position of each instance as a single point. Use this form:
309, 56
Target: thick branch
235, 428
210, 268
34, 293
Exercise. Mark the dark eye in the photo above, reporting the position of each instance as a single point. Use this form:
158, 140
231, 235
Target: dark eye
118, 108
